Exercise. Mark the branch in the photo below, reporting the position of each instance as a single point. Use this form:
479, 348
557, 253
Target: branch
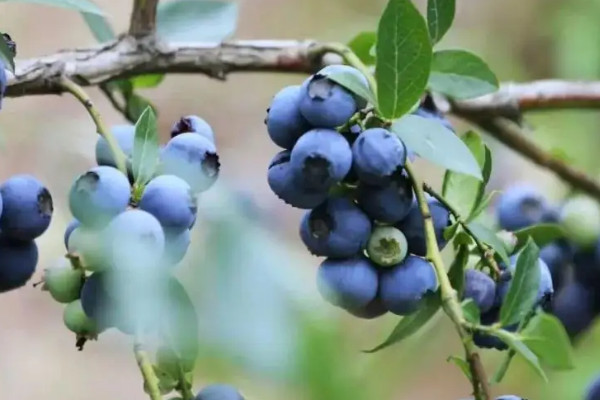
143, 18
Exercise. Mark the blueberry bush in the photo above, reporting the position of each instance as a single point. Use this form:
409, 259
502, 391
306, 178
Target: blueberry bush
350, 136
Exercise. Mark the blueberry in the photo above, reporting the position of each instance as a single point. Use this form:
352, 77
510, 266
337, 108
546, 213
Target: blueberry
88, 245
434, 115
387, 246
77, 321
374, 309
3, 82
172, 202
377, 155
413, 226
509, 397
593, 390
586, 266
99, 195
193, 158
100, 307
219, 391
63, 281
283, 183
480, 288
74, 224
545, 288
488, 341
18, 260
575, 306
403, 286
321, 158
349, 283
125, 136
176, 245
580, 219
27, 208
284, 122
193, 124
520, 206
346, 69
388, 204
324, 103
558, 256
337, 228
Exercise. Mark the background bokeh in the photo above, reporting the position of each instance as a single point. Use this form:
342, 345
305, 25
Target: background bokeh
263, 326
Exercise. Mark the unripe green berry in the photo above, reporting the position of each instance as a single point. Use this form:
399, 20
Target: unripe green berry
580, 219
509, 240
63, 281
387, 246
77, 321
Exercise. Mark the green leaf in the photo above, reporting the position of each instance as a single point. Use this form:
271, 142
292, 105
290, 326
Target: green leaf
145, 148
6, 55
483, 204
79, 5
440, 14
193, 20
523, 288
451, 230
461, 75
521, 349
542, 234
462, 191
354, 84
547, 338
456, 273
147, 81
462, 364
436, 143
100, 27
471, 311
166, 382
135, 106
404, 56
412, 323
362, 45
489, 237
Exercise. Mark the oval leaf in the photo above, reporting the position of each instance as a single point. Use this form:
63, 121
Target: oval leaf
353, 83
542, 234
523, 288
6, 55
436, 143
145, 147
79, 5
362, 45
100, 27
547, 338
462, 364
440, 14
193, 20
147, 81
521, 349
403, 58
456, 273
460, 74
471, 311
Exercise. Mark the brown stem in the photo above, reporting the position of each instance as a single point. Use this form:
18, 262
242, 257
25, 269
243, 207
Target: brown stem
143, 18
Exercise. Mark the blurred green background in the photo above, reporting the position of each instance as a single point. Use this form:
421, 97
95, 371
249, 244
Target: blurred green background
263, 326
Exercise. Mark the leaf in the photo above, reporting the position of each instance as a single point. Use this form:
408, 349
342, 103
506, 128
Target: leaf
404, 56
462, 191
520, 348
6, 55
489, 237
471, 311
433, 141
193, 20
523, 288
483, 204
456, 273
546, 337
542, 234
79, 5
451, 230
461, 75
353, 83
362, 45
145, 147
440, 14
412, 323
147, 81
462, 364
100, 27
136, 105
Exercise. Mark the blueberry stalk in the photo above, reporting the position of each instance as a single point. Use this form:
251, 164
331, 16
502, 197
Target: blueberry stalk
150, 378
183, 387
77, 91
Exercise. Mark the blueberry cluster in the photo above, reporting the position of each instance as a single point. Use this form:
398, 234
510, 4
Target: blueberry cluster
573, 261
362, 213
25, 213
121, 244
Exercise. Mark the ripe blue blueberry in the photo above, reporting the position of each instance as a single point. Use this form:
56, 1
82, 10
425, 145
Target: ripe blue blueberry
74, 224
283, 183
171, 200
520, 206
374, 309
124, 135
27, 208
337, 228
346, 69
176, 245
558, 256
284, 122
18, 260
100, 307
593, 390
488, 341
377, 156
98, 195
481, 288
390, 203
219, 391
413, 226
193, 158
193, 124
349, 283
575, 306
320, 159
3, 83
403, 287
586, 266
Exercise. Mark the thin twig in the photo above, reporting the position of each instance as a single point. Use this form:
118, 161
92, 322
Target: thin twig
150, 378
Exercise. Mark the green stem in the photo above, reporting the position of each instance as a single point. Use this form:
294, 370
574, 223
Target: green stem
150, 378
450, 302
78, 92
184, 388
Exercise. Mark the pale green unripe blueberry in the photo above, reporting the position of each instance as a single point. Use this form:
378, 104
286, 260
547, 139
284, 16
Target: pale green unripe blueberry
387, 246
77, 321
580, 219
509, 240
63, 281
